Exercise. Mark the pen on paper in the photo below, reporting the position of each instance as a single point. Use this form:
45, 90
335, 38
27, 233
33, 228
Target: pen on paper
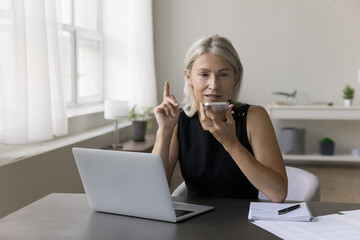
288, 209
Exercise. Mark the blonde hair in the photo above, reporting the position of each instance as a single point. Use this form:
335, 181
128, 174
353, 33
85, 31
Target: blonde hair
216, 45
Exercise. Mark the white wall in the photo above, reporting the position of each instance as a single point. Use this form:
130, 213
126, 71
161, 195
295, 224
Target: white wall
309, 45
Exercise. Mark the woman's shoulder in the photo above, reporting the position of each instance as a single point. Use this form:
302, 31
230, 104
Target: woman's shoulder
257, 116
257, 110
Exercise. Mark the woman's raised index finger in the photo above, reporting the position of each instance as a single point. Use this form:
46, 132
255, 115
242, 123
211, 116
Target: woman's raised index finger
166, 89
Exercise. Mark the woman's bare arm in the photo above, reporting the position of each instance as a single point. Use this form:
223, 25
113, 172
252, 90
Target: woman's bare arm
166, 143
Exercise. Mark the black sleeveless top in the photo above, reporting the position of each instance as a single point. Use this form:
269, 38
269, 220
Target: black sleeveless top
208, 170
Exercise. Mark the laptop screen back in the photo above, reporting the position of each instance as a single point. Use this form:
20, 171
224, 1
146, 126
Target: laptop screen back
126, 183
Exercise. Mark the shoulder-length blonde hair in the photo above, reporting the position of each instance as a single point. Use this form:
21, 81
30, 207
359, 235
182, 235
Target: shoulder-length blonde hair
217, 45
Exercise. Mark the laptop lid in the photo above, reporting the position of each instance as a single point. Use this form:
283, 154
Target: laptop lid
129, 183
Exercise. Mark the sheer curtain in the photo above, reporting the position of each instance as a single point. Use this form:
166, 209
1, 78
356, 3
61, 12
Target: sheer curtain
32, 105
141, 53
129, 67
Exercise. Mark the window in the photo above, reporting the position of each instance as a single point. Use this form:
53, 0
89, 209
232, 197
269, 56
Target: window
83, 51
5, 43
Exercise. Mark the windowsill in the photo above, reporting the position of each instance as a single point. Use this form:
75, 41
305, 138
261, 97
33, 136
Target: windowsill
14, 153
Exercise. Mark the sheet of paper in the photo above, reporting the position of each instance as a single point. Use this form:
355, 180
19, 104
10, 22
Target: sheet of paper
269, 211
335, 226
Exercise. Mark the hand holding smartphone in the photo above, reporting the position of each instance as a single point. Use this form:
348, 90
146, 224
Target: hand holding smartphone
217, 106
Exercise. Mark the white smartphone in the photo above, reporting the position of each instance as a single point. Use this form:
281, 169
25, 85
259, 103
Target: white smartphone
217, 106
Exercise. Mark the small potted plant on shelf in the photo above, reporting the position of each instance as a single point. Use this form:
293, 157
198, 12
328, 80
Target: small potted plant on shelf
290, 98
326, 146
140, 120
348, 95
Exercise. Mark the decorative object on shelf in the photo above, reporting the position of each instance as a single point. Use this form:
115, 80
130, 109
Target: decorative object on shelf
290, 98
348, 95
140, 122
116, 110
322, 104
292, 140
327, 146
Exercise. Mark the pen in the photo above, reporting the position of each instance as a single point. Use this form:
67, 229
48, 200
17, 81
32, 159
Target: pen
288, 209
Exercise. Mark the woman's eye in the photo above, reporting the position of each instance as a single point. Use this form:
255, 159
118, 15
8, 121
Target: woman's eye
204, 75
224, 75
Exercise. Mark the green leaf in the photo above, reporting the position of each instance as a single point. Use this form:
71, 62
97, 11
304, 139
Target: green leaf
326, 140
348, 92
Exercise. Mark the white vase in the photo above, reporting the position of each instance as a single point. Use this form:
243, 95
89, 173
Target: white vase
347, 102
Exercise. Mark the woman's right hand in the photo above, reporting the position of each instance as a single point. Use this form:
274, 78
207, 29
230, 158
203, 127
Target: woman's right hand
167, 113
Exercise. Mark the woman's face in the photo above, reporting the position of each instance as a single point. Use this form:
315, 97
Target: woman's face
212, 78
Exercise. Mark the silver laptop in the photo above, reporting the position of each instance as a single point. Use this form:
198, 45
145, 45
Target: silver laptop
130, 183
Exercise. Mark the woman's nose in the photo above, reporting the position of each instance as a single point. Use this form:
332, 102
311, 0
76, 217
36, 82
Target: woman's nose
213, 82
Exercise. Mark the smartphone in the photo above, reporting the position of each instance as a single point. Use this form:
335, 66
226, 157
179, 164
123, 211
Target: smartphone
217, 106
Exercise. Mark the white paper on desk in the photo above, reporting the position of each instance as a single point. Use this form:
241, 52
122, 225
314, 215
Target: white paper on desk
269, 211
335, 226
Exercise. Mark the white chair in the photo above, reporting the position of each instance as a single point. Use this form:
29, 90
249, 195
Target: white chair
302, 186
180, 191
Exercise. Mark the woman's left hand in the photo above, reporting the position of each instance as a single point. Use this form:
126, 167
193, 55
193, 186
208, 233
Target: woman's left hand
222, 130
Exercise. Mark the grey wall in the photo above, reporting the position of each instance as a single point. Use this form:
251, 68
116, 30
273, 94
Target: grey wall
30, 179
309, 45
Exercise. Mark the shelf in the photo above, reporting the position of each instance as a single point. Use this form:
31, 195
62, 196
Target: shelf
308, 112
132, 146
341, 158
311, 112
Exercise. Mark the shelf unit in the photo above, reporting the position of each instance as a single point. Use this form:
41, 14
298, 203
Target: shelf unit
298, 112
303, 112
338, 158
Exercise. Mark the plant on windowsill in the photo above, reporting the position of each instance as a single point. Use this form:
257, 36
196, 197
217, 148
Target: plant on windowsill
326, 146
348, 95
140, 122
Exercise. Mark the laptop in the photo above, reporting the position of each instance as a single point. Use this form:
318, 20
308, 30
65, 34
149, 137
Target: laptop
130, 183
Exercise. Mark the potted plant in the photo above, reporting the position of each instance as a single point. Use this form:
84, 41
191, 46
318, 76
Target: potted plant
348, 95
290, 97
326, 146
140, 121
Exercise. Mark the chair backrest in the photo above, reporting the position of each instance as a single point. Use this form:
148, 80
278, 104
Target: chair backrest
180, 191
302, 186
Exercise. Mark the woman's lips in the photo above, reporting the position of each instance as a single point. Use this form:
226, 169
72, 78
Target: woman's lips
212, 96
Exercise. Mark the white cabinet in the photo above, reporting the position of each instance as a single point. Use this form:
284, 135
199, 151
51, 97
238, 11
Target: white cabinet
342, 122
314, 113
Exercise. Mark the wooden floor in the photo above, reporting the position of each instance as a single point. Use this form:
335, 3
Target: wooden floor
338, 183
177, 178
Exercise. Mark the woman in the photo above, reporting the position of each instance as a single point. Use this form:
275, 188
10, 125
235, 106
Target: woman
231, 153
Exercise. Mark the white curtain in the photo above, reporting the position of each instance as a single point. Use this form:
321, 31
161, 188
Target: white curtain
32, 105
129, 66
141, 50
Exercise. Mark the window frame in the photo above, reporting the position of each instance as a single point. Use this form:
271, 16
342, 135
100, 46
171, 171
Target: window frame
79, 33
